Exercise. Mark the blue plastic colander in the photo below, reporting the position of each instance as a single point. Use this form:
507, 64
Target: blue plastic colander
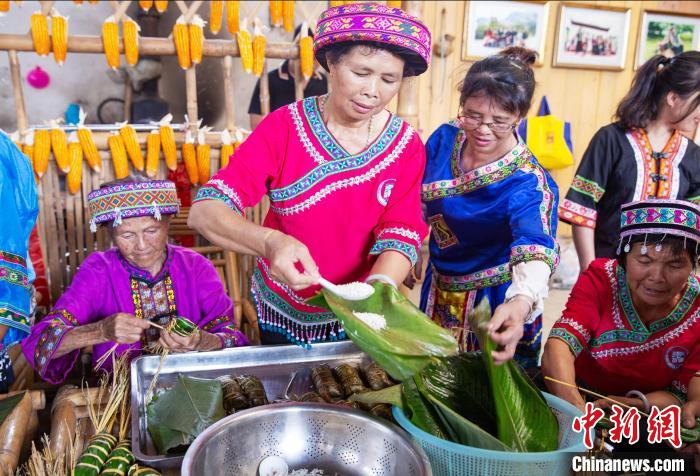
452, 459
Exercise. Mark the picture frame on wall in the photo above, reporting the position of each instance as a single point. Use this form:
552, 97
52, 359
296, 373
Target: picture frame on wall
666, 34
592, 36
491, 26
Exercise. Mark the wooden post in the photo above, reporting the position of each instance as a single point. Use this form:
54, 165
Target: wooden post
298, 81
191, 94
264, 92
128, 99
408, 94
229, 105
22, 120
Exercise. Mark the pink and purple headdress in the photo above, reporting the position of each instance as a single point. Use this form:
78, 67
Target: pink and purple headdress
378, 23
133, 199
659, 217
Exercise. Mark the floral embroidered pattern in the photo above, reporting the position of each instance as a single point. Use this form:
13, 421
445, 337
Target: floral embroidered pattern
228, 191
207, 192
481, 279
569, 338
657, 174
405, 232
61, 322
13, 269
588, 187
524, 253
232, 338
409, 250
154, 300
14, 318
578, 214
660, 215
348, 182
547, 203
478, 178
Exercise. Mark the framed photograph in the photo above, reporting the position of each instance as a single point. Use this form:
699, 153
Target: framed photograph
668, 35
592, 36
490, 27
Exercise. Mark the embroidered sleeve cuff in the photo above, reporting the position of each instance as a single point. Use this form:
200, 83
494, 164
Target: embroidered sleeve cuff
210, 191
53, 370
571, 340
525, 253
232, 337
576, 214
408, 249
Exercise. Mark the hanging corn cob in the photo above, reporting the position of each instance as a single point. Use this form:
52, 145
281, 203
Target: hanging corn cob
189, 157
226, 149
4, 6
59, 147
110, 41
306, 52
78, 2
145, 4
14, 137
161, 5
181, 37
130, 30
232, 16
203, 156
42, 151
216, 13
258, 48
132, 146
93, 2
118, 152
75, 153
288, 15
245, 47
152, 153
28, 146
88, 144
336, 3
393, 3
59, 37
196, 32
276, 13
40, 33
167, 142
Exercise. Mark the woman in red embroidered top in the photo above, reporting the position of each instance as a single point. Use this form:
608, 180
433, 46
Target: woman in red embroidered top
641, 156
631, 327
342, 174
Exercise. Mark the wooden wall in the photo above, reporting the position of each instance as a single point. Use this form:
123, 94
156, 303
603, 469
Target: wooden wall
586, 98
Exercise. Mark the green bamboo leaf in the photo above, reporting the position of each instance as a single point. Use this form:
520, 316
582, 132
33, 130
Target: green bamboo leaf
410, 340
420, 412
524, 420
8, 404
390, 395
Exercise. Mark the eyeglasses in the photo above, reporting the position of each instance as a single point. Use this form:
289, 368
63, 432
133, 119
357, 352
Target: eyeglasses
471, 123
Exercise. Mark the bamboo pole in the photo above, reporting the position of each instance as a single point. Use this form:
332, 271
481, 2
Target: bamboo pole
191, 95
264, 91
37, 397
150, 46
128, 99
298, 81
22, 120
12, 433
408, 93
229, 104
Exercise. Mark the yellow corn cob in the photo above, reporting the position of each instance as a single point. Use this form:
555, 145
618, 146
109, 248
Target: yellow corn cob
167, 142
393, 3
75, 153
132, 146
42, 151
118, 152
93, 2
40, 34
145, 4
276, 13
336, 3
196, 32
89, 149
203, 162
189, 157
4, 6
130, 30
288, 15
59, 37
78, 2
152, 153
182, 43
110, 42
232, 16
28, 150
161, 5
216, 13
258, 50
226, 149
59, 147
245, 47
306, 52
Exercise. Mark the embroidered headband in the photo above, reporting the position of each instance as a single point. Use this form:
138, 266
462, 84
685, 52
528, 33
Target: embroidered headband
134, 199
659, 217
374, 22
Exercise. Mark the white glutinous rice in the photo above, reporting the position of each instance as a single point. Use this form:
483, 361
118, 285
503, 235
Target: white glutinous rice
356, 290
375, 321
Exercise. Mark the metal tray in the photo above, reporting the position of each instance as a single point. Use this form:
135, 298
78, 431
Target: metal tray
282, 370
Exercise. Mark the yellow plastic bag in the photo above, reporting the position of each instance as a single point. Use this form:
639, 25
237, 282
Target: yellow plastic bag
549, 138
